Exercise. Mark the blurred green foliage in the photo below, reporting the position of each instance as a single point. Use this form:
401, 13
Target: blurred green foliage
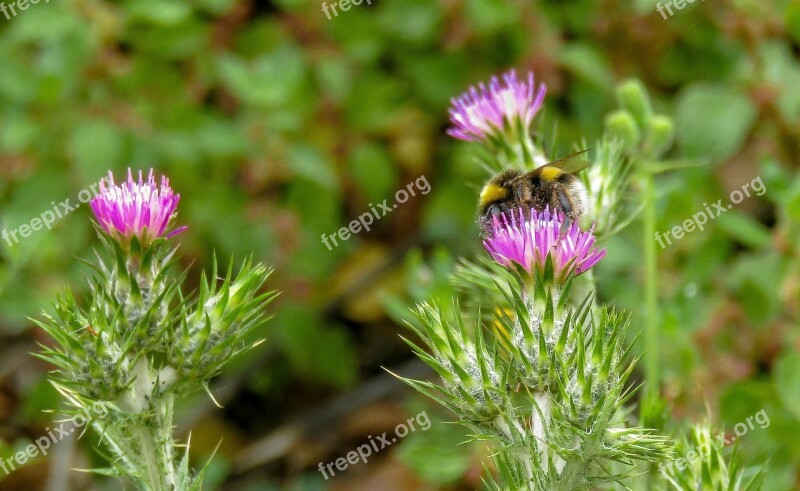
278, 125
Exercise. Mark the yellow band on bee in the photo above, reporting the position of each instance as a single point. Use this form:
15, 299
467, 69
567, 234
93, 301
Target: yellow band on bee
492, 192
551, 173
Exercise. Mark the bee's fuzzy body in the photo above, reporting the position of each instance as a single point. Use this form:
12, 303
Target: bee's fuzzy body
546, 186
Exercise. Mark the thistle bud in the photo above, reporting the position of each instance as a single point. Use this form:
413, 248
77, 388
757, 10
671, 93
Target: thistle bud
632, 96
622, 125
660, 134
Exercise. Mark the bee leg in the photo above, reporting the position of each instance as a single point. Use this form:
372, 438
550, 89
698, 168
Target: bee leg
565, 226
566, 205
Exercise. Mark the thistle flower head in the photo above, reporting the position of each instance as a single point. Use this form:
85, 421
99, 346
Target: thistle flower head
484, 111
136, 208
527, 238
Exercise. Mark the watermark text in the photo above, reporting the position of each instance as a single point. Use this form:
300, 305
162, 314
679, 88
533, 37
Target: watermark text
693, 456
343, 5
710, 212
19, 4
366, 219
678, 4
48, 217
53, 436
375, 445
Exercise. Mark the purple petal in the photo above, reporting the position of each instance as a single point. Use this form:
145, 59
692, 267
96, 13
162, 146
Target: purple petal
136, 207
482, 110
527, 237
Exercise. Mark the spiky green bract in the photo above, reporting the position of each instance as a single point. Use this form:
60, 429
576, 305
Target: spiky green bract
127, 317
607, 182
214, 327
703, 465
138, 344
480, 287
544, 380
138, 283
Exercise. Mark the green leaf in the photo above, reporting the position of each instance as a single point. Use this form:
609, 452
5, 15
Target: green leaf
159, 12
319, 351
52, 23
782, 71
745, 229
216, 7
753, 279
436, 454
172, 42
374, 103
95, 147
787, 382
488, 16
334, 78
712, 121
411, 21
18, 132
793, 202
792, 20
310, 163
435, 76
269, 80
588, 62
374, 172
743, 399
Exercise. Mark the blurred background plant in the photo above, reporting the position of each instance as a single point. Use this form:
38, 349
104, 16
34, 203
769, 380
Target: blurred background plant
278, 125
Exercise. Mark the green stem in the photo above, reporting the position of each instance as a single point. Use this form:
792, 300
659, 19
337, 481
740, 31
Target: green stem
650, 403
651, 334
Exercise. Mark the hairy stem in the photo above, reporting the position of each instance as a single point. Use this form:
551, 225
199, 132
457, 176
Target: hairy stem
154, 435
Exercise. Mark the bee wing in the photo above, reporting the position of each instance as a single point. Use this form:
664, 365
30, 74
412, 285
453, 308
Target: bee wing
570, 164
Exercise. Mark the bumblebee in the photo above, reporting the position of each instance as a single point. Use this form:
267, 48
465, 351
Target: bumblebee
552, 184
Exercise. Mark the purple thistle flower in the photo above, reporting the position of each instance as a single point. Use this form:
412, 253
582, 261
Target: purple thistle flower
483, 111
136, 208
527, 238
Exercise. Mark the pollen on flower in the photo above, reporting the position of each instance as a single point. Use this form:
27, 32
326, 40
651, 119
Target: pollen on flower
527, 237
139, 208
485, 110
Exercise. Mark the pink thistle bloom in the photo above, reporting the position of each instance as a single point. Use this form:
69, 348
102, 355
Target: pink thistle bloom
484, 111
136, 208
527, 239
